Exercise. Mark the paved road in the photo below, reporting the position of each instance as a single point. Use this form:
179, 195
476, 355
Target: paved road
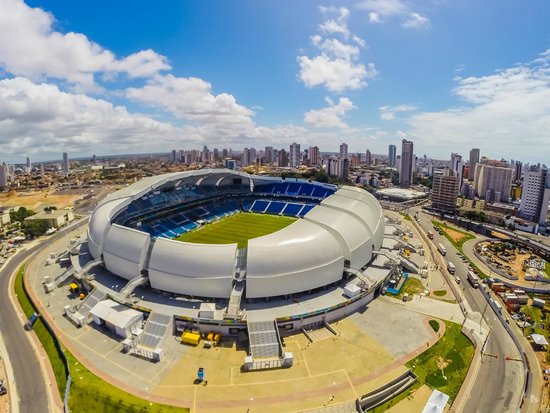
499, 382
31, 388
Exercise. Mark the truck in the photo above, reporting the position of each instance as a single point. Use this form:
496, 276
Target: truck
442, 250
473, 279
451, 268
430, 235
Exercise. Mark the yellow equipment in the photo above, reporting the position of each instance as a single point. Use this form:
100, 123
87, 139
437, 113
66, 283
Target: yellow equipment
74, 288
191, 337
82, 296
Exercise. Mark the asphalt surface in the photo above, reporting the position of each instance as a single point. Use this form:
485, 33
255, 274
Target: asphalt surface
31, 388
499, 382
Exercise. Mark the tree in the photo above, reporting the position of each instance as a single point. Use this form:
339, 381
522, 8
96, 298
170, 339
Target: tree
34, 228
20, 214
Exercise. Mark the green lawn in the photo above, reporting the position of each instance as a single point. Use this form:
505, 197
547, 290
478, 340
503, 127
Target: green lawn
412, 287
88, 392
444, 365
455, 350
237, 228
458, 245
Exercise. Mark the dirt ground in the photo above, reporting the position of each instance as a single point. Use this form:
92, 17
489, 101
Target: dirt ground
455, 235
33, 200
355, 366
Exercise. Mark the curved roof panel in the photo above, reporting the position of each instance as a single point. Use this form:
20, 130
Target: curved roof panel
125, 251
354, 237
300, 257
100, 222
194, 269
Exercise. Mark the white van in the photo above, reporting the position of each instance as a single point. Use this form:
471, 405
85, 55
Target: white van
457, 280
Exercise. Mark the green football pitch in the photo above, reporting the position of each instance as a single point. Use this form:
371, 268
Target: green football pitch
237, 228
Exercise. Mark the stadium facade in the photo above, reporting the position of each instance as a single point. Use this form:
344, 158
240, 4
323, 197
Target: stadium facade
341, 229
335, 240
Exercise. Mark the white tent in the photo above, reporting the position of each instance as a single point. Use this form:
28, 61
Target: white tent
436, 402
539, 339
117, 317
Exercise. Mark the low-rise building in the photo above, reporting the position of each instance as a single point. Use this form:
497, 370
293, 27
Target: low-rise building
55, 218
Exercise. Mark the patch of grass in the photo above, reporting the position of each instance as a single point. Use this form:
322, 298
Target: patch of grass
412, 286
406, 217
458, 245
439, 293
390, 403
434, 324
88, 392
43, 334
444, 365
237, 228
536, 318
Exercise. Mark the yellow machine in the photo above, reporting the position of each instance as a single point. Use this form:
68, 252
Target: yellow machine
214, 338
407, 252
74, 288
82, 296
191, 337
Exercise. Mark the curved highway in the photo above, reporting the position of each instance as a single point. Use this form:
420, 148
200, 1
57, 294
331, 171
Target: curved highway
31, 389
499, 382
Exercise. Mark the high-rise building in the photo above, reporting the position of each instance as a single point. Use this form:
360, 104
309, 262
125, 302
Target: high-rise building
368, 158
332, 166
282, 159
343, 168
4, 175
314, 155
343, 151
535, 196
518, 171
406, 169
445, 191
392, 156
268, 155
205, 155
474, 159
493, 183
457, 167
248, 156
29, 166
172, 157
65, 162
42, 170
294, 157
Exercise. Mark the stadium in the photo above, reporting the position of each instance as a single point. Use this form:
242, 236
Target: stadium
224, 251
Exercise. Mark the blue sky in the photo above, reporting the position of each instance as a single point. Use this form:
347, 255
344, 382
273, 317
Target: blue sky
118, 77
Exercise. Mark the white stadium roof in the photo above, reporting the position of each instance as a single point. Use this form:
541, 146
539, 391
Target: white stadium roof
308, 254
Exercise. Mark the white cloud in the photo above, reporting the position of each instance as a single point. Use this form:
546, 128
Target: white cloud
191, 99
416, 21
381, 10
29, 46
507, 113
389, 112
374, 17
40, 118
337, 65
337, 22
331, 116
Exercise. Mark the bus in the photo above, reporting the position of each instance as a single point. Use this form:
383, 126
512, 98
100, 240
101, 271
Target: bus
441, 248
430, 235
473, 279
451, 267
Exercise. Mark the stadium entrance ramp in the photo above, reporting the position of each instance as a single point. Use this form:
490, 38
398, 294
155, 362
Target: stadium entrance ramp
266, 348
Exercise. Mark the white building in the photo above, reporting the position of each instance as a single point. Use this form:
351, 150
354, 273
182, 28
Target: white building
493, 183
294, 155
535, 196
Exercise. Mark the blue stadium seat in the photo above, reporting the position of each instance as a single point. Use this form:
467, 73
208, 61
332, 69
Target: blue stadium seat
292, 209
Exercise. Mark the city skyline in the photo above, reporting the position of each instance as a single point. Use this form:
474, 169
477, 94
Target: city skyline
370, 73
